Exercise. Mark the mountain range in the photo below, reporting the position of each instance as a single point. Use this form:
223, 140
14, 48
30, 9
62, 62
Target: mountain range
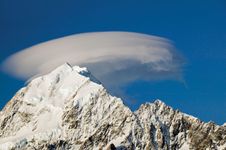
70, 109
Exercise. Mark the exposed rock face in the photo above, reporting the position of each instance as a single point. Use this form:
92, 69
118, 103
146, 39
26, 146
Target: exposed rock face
70, 109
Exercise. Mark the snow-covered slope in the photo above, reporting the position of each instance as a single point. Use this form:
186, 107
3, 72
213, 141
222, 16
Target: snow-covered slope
70, 109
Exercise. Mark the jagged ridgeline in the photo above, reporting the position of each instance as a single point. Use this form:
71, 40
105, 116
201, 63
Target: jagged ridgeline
70, 109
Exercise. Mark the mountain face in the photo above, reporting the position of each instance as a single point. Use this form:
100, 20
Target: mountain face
70, 109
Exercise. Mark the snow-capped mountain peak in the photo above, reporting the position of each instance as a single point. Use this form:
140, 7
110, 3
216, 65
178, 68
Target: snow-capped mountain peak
58, 85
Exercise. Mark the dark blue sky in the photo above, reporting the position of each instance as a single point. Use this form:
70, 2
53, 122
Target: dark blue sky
198, 29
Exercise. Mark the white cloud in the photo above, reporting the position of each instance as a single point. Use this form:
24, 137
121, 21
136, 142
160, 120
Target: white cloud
115, 58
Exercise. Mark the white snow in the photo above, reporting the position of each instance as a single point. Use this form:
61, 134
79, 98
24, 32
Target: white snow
222, 147
185, 146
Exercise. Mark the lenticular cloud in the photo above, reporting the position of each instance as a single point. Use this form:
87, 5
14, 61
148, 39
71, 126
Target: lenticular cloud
115, 58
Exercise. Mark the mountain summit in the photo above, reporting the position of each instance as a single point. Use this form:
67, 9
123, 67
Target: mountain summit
70, 109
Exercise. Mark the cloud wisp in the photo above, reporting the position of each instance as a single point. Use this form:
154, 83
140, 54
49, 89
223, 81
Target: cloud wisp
115, 58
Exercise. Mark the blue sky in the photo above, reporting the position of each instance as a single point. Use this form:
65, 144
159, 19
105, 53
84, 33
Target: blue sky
198, 29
